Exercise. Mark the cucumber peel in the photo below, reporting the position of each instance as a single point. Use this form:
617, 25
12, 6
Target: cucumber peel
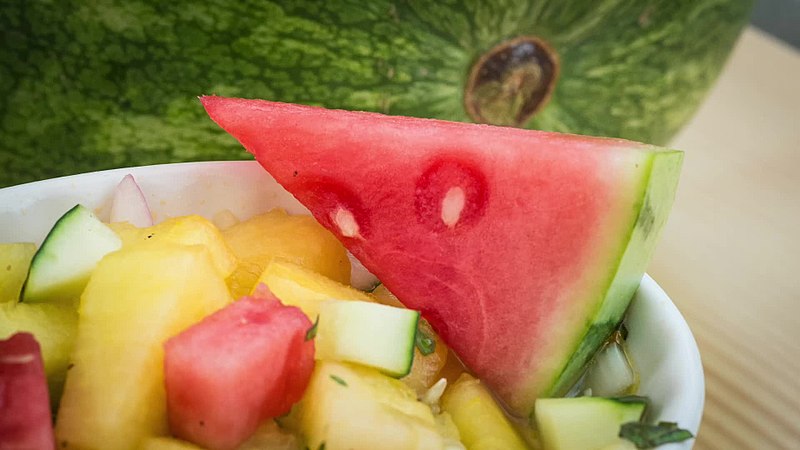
61, 267
585, 423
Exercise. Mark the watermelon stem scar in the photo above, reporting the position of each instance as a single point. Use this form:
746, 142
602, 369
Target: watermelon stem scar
512, 82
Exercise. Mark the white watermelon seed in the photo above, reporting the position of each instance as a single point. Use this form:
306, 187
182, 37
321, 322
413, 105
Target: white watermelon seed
452, 205
347, 224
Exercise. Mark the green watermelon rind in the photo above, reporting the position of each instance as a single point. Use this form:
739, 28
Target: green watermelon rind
658, 193
95, 85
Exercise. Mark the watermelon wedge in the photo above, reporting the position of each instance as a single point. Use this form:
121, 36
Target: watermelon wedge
522, 248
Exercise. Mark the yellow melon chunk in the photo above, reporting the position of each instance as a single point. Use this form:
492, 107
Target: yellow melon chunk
480, 420
299, 239
167, 443
54, 326
184, 230
298, 286
270, 436
392, 417
15, 258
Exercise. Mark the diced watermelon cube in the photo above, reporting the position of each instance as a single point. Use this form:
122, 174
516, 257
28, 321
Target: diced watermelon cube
25, 420
236, 368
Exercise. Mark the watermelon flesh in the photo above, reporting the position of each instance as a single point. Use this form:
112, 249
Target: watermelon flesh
238, 367
522, 248
25, 420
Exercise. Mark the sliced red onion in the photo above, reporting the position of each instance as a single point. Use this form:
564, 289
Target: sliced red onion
129, 204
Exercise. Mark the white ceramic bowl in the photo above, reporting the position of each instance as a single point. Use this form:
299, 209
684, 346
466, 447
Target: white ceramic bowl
660, 341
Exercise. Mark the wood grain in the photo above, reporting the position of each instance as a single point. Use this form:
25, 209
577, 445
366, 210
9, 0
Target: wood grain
730, 254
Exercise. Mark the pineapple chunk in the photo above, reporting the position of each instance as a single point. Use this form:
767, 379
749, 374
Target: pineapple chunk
54, 326
167, 443
185, 230
297, 238
14, 262
135, 300
353, 407
270, 436
298, 286
480, 421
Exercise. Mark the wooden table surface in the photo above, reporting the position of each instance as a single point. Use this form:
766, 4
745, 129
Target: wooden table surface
730, 253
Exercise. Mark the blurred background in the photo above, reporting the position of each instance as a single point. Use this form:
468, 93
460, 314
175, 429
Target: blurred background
779, 18
730, 253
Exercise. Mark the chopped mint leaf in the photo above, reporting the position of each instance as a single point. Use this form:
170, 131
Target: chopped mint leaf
645, 435
425, 344
338, 380
322, 445
312, 332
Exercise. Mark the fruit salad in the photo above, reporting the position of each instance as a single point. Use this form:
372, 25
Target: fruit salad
259, 333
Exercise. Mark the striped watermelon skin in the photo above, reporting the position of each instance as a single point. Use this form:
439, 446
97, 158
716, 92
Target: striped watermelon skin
94, 85
539, 261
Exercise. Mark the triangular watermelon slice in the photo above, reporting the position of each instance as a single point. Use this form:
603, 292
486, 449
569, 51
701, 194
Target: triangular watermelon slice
522, 248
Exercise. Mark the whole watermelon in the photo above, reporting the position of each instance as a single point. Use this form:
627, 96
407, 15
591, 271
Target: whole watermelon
87, 85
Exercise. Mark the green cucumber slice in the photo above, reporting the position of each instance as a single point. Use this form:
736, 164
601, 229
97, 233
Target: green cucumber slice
366, 333
585, 423
61, 267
